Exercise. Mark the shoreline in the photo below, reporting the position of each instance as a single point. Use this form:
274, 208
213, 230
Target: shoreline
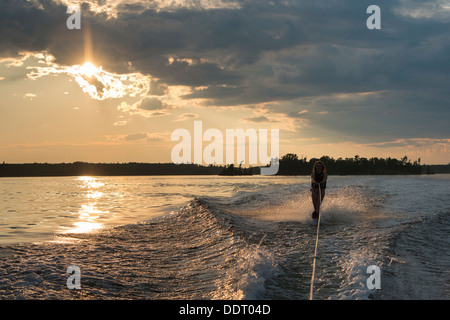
214, 175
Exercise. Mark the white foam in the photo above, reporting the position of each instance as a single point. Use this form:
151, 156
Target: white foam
246, 279
343, 206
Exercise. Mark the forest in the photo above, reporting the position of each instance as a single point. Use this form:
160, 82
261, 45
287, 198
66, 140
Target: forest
290, 164
104, 169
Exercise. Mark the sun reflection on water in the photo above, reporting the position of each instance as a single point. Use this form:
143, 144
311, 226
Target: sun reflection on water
90, 182
89, 213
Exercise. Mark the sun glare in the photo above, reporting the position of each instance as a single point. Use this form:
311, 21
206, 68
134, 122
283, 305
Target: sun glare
88, 69
101, 84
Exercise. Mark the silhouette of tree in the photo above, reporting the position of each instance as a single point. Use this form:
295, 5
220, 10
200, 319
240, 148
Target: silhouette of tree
290, 164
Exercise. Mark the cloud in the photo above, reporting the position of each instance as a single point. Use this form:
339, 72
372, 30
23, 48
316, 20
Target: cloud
424, 9
146, 106
151, 104
259, 119
29, 96
157, 88
417, 142
95, 81
112, 7
284, 56
135, 136
248, 52
369, 117
140, 137
158, 113
157, 137
186, 116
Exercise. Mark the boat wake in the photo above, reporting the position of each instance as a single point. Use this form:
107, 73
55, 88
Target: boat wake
253, 245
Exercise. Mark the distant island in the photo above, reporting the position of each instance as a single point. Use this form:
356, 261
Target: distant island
290, 164
104, 169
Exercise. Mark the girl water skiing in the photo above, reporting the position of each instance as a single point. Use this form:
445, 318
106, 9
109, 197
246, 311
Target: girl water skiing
318, 177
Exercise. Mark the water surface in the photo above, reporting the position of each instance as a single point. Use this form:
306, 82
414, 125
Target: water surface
209, 237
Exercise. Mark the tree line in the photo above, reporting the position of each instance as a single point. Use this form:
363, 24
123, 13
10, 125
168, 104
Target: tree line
289, 164
104, 169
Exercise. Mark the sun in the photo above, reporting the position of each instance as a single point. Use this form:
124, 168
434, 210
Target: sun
101, 84
88, 69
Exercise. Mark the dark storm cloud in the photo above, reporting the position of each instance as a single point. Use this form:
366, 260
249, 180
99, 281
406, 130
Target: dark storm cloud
147, 38
341, 54
27, 27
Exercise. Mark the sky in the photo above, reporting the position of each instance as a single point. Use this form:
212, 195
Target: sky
117, 88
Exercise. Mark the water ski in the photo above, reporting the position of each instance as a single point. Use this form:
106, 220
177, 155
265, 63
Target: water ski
315, 219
